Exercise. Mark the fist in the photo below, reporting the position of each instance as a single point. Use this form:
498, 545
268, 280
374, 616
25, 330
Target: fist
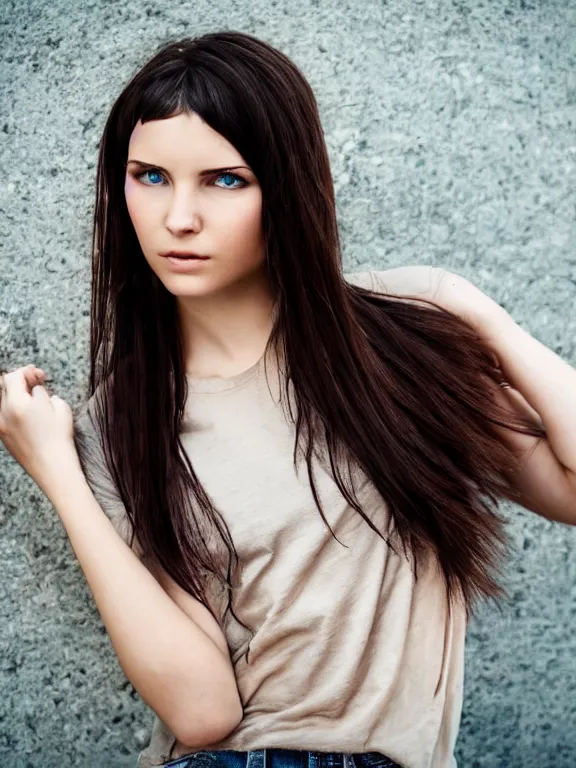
36, 428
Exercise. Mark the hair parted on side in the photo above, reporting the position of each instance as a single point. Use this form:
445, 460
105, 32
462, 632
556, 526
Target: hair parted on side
404, 389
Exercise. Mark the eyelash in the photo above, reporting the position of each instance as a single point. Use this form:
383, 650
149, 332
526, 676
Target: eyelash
244, 183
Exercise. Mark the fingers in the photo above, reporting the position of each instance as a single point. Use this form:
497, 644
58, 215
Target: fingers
59, 404
33, 376
24, 403
21, 382
40, 393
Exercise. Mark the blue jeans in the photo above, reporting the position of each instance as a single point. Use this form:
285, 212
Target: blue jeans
281, 758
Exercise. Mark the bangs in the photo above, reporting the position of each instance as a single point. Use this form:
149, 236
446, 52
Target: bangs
199, 90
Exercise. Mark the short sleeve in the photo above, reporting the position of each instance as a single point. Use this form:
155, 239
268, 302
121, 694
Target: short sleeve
361, 280
97, 474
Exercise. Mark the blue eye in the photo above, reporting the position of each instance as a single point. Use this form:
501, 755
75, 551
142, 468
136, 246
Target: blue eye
229, 179
152, 172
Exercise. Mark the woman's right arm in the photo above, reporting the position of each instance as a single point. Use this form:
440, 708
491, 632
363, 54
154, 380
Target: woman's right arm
170, 647
174, 655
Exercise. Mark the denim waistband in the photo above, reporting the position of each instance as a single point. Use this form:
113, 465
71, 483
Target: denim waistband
281, 758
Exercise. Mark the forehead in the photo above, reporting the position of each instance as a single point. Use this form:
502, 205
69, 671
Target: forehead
183, 140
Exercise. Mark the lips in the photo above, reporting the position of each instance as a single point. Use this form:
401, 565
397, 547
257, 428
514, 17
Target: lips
183, 255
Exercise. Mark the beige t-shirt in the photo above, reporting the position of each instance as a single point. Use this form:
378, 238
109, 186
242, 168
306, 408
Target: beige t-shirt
349, 653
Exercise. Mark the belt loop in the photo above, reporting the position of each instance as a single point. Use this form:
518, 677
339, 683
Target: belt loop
265, 758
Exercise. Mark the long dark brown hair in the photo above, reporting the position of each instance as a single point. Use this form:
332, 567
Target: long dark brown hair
403, 389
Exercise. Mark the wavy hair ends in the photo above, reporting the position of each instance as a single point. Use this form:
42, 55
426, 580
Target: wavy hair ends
403, 389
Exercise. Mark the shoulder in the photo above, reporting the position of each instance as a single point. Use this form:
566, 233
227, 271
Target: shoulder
442, 288
86, 425
85, 415
84, 422
419, 281
89, 444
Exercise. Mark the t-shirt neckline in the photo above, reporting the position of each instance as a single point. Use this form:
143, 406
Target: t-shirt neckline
219, 383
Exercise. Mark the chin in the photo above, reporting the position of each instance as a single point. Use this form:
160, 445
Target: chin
188, 288
207, 282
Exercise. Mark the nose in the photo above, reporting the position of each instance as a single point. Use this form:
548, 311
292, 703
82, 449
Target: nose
184, 213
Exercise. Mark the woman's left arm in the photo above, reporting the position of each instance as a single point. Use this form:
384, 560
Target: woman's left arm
542, 386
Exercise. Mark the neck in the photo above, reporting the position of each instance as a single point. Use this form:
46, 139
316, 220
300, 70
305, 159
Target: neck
226, 333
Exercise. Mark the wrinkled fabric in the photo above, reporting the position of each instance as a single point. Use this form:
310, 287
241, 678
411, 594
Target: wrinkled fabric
349, 652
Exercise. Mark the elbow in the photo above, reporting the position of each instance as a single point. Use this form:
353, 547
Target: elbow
197, 729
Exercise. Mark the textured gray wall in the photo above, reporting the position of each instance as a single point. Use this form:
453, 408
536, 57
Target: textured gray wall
451, 128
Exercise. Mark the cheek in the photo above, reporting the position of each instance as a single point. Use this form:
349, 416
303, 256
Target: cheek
129, 193
136, 205
243, 229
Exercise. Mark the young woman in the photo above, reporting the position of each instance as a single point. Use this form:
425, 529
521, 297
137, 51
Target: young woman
282, 490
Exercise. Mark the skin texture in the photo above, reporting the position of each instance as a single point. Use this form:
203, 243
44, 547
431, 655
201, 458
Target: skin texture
225, 302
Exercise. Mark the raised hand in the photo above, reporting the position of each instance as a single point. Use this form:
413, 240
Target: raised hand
36, 427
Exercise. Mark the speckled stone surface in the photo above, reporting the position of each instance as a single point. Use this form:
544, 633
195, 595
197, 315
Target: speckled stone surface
452, 134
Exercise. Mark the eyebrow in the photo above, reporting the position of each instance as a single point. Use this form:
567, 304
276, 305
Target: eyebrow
207, 172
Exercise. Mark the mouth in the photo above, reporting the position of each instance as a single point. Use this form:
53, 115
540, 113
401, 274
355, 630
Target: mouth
184, 256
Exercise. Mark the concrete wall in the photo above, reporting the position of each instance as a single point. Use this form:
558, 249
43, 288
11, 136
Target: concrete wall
451, 128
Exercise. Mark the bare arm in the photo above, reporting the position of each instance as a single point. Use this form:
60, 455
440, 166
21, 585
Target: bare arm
543, 387
178, 664
174, 654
